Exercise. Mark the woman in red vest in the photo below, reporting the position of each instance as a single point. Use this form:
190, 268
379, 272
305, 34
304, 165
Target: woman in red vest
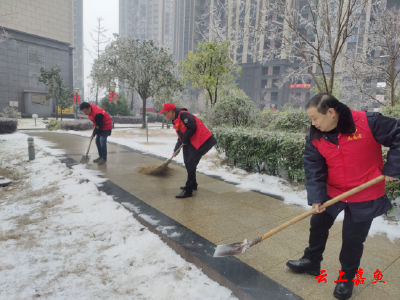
197, 140
102, 128
343, 150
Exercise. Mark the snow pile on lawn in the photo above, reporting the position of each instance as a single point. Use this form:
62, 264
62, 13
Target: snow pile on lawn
162, 142
61, 238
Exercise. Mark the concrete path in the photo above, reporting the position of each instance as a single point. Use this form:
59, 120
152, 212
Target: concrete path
222, 213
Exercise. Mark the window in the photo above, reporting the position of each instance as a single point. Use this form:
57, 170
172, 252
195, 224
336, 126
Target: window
248, 71
248, 83
275, 70
274, 96
40, 99
264, 84
265, 71
274, 82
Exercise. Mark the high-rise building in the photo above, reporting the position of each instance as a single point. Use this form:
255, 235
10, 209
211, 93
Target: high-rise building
78, 47
42, 37
147, 19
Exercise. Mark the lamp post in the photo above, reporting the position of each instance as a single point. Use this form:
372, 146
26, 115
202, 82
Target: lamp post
273, 106
77, 99
112, 96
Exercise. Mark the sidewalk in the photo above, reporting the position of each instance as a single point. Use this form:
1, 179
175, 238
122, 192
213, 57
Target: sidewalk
222, 213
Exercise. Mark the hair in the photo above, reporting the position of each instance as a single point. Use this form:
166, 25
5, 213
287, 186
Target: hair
84, 105
323, 102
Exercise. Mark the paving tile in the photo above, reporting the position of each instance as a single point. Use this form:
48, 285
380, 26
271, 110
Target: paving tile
219, 187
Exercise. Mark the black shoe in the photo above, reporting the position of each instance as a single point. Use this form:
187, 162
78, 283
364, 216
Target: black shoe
304, 265
96, 160
184, 194
343, 290
102, 161
193, 188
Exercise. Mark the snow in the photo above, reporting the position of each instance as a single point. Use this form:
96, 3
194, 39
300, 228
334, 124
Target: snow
162, 143
61, 238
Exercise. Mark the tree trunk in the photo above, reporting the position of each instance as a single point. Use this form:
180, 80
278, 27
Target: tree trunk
57, 109
163, 120
97, 95
144, 114
132, 102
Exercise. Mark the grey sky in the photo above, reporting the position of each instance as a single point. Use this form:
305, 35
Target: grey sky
93, 9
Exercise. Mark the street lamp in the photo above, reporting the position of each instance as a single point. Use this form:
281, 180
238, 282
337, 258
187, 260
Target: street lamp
112, 96
77, 99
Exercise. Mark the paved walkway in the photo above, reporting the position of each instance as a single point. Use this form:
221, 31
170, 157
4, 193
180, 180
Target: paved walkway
223, 214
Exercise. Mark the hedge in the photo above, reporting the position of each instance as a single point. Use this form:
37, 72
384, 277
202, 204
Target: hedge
8, 125
263, 150
76, 125
270, 151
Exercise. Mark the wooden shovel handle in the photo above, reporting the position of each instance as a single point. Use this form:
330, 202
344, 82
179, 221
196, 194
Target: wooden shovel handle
175, 153
91, 138
326, 204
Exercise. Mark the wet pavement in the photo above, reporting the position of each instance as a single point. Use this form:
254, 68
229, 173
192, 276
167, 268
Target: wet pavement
220, 213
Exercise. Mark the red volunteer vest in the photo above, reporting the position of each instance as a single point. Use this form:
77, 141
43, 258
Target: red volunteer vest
201, 135
107, 123
356, 160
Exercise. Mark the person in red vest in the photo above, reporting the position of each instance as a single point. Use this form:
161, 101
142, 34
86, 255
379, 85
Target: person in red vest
102, 128
197, 140
343, 150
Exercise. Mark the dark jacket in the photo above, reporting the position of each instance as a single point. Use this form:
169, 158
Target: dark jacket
190, 123
98, 129
385, 130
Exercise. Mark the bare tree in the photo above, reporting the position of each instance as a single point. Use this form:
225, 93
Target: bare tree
378, 72
99, 38
312, 35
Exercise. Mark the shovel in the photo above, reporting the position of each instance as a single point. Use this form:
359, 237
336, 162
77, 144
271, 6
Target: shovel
241, 247
85, 158
158, 170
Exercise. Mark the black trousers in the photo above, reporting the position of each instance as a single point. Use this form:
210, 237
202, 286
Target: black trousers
191, 161
353, 238
191, 158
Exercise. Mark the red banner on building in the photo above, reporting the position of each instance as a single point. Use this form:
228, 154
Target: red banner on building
148, 109
300, 86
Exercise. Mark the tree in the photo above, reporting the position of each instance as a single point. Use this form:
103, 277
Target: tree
57, 89
4, 35
210, 68
144, 66
378, 72
121, 107
311, 34
335, 90
165, 96
99, 37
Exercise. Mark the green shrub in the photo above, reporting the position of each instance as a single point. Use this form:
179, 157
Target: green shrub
262, 150
8, 125
392, 187
10, 112
391, 111
53, 125
121, 107
291, 120
154, 117
266, 118
232, 111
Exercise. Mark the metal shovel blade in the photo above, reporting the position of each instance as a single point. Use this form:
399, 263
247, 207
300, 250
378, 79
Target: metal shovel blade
85, 159
232, 249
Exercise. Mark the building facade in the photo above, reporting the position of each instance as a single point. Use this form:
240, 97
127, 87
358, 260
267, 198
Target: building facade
42, 37
147, 19
79, 50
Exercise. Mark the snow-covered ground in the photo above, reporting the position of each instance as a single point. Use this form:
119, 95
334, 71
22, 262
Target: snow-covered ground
63, 239
162, 141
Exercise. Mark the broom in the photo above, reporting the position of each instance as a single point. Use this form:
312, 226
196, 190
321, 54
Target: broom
153, 170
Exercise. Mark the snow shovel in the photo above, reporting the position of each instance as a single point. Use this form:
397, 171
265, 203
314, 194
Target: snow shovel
241, 247
85, 158
158, 170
